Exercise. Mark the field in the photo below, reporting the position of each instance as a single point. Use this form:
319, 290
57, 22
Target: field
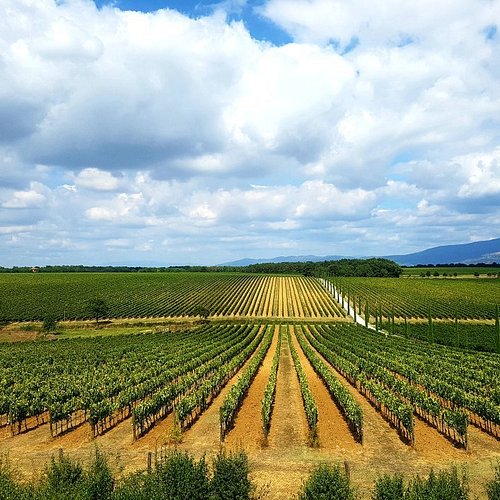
293, 387
465, 298
486, 271
28, 297
464, 334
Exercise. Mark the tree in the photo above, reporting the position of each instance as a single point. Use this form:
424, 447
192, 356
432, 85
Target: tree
97, 308
49, 324
202, 311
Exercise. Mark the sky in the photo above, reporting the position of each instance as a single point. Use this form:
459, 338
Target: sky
158, 132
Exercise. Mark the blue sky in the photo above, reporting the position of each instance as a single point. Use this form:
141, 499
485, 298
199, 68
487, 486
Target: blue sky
202, 132
260, 27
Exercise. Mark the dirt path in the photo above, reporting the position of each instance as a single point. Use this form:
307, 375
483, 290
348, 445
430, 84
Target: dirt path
204, 435
333, 431
289, 424
247, 433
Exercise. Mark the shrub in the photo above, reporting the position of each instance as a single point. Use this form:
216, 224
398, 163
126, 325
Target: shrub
178, 476
493, 487
446, 485
99, 479
327, 482
230, 477
389, 488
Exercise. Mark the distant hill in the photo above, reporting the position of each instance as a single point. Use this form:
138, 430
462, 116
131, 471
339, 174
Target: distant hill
468, 253
275, 260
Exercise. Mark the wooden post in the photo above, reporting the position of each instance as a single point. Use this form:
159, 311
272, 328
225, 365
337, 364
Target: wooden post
497, 327
347, 469
150, 457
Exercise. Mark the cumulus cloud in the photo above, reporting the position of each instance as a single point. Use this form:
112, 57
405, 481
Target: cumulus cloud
95, 179
122, 130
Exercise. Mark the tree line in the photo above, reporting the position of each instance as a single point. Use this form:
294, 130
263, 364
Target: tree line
374, 267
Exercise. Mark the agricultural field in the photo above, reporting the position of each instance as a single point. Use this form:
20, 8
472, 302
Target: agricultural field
463, 334
291, 395
417, 298
29, 297
452, 271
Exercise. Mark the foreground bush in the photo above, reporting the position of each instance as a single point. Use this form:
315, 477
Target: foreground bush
445, 485
493, 487
327, 482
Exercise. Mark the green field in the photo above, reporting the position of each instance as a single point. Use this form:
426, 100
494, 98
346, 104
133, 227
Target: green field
29, 297
464, 298
474, 336
452, 271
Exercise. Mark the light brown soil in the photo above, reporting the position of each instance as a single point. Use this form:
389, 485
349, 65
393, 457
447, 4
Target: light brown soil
247, 433
333, 431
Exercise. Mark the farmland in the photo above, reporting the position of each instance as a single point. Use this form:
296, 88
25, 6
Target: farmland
416, 298
28, 297
278, 370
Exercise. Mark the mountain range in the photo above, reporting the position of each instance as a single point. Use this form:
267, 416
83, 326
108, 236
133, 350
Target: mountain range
487, 251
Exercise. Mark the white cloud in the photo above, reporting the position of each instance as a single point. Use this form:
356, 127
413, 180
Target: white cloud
125, 129
93, 178
32, 198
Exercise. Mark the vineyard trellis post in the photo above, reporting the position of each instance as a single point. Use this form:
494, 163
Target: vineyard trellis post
392, 320
497, 328
430, 331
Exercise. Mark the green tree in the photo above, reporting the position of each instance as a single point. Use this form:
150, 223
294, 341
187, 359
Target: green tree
97, 308
202, 311
49, 324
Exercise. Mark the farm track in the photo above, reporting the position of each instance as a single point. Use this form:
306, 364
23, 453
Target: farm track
289, 425
333, 431
247, 433
204, 435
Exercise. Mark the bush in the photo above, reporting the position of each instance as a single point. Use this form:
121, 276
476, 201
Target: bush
99, 479
493, 487
180, 477
389, 488
327, 482
63, 478
446, 485
9, 488
230, 477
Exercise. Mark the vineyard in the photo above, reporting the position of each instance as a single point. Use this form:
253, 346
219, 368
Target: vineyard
417, 298
29, 297
319, 389
100, 380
